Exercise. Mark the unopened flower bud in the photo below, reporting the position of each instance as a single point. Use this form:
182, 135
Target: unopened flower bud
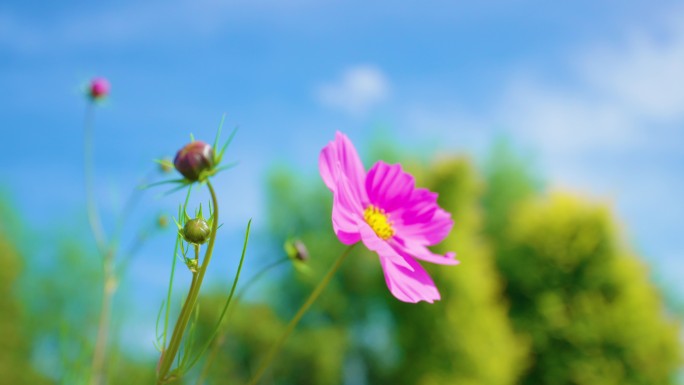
192, 265
162, 221
98, 89
297, 250
302, 251
193, 159
165, 165
196, 231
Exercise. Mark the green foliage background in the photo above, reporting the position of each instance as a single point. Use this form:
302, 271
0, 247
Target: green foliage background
15, 337
548, 292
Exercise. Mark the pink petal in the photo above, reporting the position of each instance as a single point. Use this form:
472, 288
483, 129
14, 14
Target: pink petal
409, 286
380, 246
419, 251
421, 220
341, 156
347, 212
388, 186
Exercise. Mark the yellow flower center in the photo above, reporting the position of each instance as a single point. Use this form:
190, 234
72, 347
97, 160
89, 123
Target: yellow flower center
378, 221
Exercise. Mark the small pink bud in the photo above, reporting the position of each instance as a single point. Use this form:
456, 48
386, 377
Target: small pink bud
98, 89
193, 159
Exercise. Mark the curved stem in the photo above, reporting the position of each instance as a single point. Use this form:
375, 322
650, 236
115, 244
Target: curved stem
173, 270
295, 320
93, 214
169, 354
226, 305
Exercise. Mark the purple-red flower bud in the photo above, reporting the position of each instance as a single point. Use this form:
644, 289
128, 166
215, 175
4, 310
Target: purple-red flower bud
193, 159
98, 89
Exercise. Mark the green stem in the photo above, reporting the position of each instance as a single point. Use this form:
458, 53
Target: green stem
295, 320
173, 269
108, 290
91, 205
169, 354
107, 253
228, 301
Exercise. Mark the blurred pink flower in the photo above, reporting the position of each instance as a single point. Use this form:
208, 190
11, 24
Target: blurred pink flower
98, 88
385, 211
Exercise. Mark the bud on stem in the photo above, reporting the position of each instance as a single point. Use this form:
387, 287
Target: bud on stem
194, 160
98, 89
196, 231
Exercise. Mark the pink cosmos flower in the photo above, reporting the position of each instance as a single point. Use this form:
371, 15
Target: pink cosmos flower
392, 217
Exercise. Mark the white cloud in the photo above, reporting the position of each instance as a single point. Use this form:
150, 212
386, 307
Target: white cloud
617, 98
647, 77
611, 124
356, 91
560, 122
624, 97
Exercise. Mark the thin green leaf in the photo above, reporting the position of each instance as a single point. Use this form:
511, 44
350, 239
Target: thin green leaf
146, 186
190, 340
173, 271
226, 167
156, 324
230, 297
163, 162
218, 132
219, 157
176, 189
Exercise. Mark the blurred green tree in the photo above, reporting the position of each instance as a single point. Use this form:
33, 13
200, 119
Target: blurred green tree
309, 358
357, 332
465, 338
15, 337
62, 292
547, 293
48, 311
509, 181
584, 299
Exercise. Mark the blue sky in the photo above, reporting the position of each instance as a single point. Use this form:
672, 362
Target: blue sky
593, 90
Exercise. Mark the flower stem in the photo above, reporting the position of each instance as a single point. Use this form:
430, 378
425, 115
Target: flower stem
173, 271
93, 214
109, 287
169, 354
295, 320
107, 253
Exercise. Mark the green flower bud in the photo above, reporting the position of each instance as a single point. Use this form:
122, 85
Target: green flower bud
196, 231
166, 165
192, 265
162, 221
297, 250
